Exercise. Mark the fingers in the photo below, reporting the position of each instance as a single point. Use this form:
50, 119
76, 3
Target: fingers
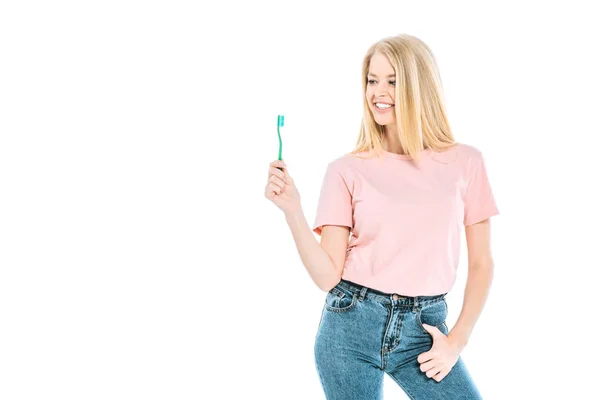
277, 181
278, 178
279, 168
286, 172
278, 163
431, 368
440, 376
427, 366
274, 188
433, 371
284, 168
273, 171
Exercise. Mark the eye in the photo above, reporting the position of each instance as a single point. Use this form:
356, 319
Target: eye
370, 80
393, 83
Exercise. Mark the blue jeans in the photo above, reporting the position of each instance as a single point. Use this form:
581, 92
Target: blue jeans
364, 333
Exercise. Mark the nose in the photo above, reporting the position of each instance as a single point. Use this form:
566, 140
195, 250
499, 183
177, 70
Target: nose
380, 93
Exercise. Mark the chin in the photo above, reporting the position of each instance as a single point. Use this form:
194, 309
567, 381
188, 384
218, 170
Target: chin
384, 121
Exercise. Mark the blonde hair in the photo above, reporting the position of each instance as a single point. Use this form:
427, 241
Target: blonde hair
421, 118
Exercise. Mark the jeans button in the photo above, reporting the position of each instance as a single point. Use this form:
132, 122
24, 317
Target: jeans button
395, 296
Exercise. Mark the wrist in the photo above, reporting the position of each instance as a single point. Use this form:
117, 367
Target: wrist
458, 340
294, 214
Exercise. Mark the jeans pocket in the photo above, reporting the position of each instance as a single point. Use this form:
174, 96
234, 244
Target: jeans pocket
339, 300
433, 314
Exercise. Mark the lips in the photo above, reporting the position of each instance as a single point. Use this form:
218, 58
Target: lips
383, 102
382, 110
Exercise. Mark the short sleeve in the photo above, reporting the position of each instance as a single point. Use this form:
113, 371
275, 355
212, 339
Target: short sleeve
479, 202
335, 201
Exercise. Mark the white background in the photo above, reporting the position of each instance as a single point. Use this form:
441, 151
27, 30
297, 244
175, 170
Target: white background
139, 258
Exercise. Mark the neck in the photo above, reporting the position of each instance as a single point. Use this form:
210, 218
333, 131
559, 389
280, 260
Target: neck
391, 142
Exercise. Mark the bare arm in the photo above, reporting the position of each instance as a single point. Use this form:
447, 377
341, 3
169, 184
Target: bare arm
479, 280
325, 261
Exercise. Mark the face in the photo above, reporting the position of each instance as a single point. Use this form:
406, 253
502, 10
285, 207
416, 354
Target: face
381, 90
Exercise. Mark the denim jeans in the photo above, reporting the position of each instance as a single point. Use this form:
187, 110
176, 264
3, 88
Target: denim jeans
364, 333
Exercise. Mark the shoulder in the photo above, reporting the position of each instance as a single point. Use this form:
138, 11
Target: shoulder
347, 167
344, 163
468, 150
467, 153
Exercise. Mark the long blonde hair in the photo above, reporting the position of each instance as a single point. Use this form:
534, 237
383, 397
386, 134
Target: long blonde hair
420, 109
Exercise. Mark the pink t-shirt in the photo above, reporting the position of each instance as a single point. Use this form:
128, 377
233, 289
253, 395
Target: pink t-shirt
406, 218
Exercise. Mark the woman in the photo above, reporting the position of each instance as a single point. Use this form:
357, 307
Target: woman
404, 194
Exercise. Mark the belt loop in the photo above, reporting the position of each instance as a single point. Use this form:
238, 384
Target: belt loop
416, 304
363, 293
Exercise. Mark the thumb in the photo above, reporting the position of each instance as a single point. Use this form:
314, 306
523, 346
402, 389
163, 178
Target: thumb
433, 331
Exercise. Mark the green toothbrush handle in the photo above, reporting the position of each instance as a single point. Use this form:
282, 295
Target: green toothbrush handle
279, 124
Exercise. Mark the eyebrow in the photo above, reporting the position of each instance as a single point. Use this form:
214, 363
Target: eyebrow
389, 76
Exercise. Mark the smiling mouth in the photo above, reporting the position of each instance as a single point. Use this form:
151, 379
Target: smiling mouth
383, 106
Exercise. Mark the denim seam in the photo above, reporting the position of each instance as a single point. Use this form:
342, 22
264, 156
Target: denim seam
345, 309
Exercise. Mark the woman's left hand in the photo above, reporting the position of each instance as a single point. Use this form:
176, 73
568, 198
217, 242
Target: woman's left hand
439, 360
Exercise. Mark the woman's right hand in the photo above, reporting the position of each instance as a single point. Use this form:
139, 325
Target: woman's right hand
281, 189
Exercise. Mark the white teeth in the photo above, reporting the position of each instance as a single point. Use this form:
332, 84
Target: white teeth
381, 105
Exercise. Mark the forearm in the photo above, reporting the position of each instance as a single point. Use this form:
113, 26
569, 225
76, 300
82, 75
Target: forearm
317, 262
479, 281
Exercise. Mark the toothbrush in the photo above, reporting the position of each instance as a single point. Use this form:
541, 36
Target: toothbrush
279, 124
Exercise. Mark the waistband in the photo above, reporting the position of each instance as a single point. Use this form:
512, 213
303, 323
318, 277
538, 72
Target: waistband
388, 298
